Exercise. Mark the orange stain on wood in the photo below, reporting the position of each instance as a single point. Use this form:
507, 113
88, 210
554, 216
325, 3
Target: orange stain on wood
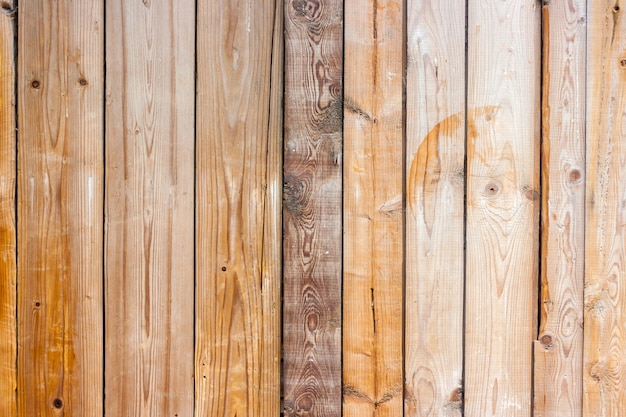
426, 165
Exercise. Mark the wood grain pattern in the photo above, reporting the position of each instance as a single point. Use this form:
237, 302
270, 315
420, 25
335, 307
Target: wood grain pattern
435, 152
149, 208
558, 351
60, 183
8, 272
502, 206
272, 267
373, 209
312, 208
605, 292
238, 168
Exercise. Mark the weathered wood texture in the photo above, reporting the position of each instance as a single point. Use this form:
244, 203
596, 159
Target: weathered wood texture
502, 206
435, 196
373, 207
558, 351
312, 208
238, 173
60, 183
605, 291
8, 273
149, 211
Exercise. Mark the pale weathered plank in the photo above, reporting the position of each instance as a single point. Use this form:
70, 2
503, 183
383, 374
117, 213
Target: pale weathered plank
238, 208
60, 182
312, 208
502, 206
435, 152
149, 208
604, 363
558, 351
8, 273
373, 202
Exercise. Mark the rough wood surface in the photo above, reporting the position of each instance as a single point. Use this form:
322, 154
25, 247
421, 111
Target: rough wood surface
149, 212
604, 361
435, 150
8, 273
238, 168
60, 183
502, 206
373, 203
558, 353
312, 208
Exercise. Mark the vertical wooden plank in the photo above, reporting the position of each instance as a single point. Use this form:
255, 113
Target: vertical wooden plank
61, 61
312, 207
272, 267
502, 206
435, 164
558, 351
149, 208
8, 273
238, 167
605, 291
373, 202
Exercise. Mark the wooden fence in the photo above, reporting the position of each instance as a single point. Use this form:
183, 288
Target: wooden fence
313, 208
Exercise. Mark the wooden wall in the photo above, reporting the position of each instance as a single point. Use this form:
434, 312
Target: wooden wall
313, 208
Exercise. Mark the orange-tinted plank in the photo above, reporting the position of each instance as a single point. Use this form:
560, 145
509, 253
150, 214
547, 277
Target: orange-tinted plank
238, 201
60, 194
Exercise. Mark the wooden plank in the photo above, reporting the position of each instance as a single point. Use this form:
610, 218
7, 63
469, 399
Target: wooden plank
149, 208
558, 351
8, 272
60, 165
604, 386
502, 206
238, 165
373, 203
272, 267
435, 165
312, 208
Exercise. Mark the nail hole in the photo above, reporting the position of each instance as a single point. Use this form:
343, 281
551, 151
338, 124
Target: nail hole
37, 304
57, 403
82, 81
224, 268
492, 188
35, 84
616, 8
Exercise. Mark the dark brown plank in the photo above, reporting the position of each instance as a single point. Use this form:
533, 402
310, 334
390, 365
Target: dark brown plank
312, 208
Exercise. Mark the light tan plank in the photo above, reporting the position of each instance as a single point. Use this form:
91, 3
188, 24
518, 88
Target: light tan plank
435, 152
502, 206
312, 208
149, 212
558, 353
373, 202
272, 266
8, 273
604, 386
239, 168
61, 60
